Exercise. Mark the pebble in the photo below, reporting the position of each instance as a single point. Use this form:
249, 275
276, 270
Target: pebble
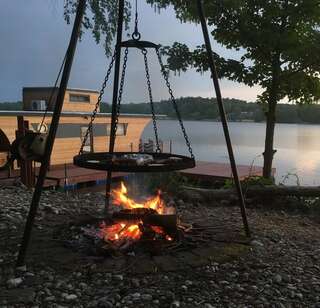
257, 243
135, 282
14, 282
184, 288
175, 304
118, 277
146, 297
282, 274
277, 278
70, 297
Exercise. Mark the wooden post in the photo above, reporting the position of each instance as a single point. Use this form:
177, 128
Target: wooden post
26, 172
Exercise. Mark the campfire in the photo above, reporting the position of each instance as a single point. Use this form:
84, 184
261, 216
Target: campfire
149, 220
147, 226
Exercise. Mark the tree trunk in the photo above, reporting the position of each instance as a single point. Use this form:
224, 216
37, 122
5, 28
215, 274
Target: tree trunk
268, 147
271, 118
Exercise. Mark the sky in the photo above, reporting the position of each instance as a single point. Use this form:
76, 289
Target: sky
34, 38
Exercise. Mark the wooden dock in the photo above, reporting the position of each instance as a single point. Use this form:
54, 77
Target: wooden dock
58, 176
73, 175
221, 171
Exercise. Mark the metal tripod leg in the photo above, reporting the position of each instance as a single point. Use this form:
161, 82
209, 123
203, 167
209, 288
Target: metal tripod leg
223, 117
52, 133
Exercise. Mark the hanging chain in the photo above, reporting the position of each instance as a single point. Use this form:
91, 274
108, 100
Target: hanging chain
155, 128
123, 75
51, 96
136, 34
173, 100
95, 111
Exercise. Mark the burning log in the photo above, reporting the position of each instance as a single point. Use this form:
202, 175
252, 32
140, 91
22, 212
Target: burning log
148, 217
133, 214
167, 222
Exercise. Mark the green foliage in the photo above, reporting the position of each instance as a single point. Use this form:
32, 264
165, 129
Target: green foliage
169, 182
11, 106
101, 18
250, 181
197, 108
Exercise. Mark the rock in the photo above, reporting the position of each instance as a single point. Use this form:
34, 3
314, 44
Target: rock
21, 269
207, 305
146, 297
135, 282
49, 299
70, 297
118, 277
14, 296
136, 296
14, 282
104, 302
257, 243
277, 278
175, 304
224, 282
180, 203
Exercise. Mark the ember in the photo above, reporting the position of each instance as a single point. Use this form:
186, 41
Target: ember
149, 220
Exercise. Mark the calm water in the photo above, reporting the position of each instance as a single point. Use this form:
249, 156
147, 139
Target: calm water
298, 146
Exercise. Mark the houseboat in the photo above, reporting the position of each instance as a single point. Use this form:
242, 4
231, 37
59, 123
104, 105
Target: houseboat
75, 117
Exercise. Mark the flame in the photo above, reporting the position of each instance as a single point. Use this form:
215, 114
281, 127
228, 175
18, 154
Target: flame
118, 232
120, 198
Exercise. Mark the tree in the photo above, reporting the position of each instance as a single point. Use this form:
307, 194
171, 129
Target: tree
100, 17
279, 42
279, 45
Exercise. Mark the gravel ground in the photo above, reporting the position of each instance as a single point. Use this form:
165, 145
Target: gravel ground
282, 268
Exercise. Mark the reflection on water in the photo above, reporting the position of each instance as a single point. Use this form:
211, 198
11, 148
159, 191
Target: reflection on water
298, 146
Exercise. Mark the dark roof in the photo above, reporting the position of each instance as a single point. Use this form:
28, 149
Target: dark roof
71, 114
50, 88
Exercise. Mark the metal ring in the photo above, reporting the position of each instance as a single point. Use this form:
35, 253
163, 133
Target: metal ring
136, 36
131, 161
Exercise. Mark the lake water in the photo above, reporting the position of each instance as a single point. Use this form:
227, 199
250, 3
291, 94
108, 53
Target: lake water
297, 145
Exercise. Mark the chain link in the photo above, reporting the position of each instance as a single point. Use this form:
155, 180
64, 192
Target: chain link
123, 75
173, 100
50, 100
95, 111
155, 128
136, 34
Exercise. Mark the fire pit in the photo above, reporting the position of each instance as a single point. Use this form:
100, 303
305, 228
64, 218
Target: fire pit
148, 225
150, 220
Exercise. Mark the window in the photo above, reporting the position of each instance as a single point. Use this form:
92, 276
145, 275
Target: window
121, 129
78, 98
88, 146
38, 105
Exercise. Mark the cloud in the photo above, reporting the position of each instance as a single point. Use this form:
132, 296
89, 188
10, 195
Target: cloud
34, 39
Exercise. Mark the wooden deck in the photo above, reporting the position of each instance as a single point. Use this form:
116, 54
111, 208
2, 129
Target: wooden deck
221, 171
76, 175
57, 177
